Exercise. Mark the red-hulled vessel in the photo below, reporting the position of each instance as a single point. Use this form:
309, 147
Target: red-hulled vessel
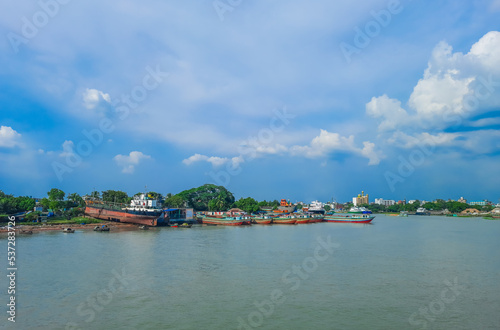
142, 211
303, 220
285, 221
226, 221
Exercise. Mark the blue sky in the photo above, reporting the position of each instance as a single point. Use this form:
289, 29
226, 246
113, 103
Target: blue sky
283, 99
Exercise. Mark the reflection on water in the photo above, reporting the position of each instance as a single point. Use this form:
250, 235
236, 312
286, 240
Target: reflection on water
388, 275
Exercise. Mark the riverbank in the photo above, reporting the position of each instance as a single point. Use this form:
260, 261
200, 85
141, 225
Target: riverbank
23, 228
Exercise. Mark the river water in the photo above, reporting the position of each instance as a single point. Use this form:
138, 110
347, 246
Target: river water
396, 273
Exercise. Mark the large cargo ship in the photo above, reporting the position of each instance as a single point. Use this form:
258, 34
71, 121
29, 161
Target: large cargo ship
142, 211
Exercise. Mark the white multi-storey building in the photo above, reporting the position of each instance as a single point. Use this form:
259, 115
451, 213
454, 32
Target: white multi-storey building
381, 201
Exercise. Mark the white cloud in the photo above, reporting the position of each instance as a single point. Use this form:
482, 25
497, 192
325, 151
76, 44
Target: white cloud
327, 143
389, 110
406, 141
128, 163
68, 149
321, 146
93, 97
215, 161
454, 88
9, 138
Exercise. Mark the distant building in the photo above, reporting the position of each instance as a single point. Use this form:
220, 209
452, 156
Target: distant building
361, 199
481, 203
403, 202
381, 201
462, 200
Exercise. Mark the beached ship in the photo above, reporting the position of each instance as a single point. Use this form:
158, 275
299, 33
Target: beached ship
350, 218
142, 210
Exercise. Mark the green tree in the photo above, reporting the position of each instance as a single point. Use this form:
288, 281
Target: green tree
249, 205
299, 206
174, 201
76, 200
327, 208
25, 203
56, 194
45, 202
115, 196
96, 195
218, 204
198, 198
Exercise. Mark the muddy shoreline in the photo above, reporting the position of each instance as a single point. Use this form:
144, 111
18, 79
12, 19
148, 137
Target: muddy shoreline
21, 229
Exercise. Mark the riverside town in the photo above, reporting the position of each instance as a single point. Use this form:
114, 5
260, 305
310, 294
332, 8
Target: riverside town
211, 205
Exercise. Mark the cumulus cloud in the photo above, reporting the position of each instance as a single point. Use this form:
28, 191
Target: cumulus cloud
9, 138
389, 110
68, 147
93, 98
454, 87
327, 143
215, 161
129, 162
321, 146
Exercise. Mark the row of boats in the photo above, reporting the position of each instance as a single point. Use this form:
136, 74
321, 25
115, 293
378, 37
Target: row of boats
286, 220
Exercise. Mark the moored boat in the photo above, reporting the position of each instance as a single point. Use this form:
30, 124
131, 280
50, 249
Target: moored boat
350, 218
265, 220
422, 211
359, 210
302, 220
101, 228
285, 221
68, 230
226, 221
316, 218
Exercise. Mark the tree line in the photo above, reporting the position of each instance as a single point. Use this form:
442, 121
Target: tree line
438, 205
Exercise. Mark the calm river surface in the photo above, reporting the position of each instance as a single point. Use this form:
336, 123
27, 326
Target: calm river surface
397, 273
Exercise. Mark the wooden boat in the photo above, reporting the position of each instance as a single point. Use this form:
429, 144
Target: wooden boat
350, 218
27, 232
226, 221
303, 220
185, 225
101, 228
68, 230
285, 221
315, 219
143, 227
263, 221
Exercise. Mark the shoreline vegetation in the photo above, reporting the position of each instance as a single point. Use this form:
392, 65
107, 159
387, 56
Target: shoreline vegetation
59, 209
